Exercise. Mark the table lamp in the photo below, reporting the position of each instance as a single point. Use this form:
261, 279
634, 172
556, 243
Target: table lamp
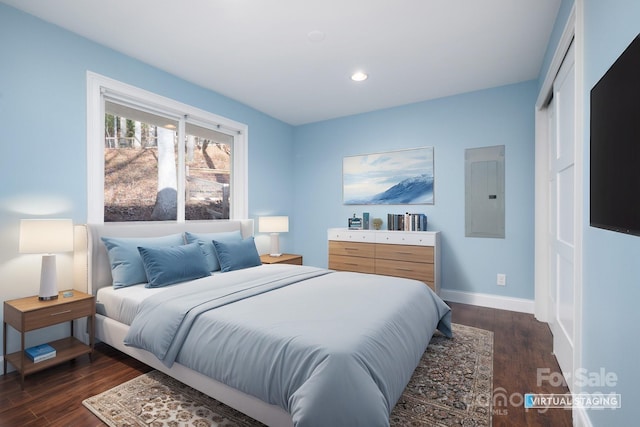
274, 225
47, 237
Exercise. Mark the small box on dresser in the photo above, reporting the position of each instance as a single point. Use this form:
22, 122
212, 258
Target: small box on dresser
410, 254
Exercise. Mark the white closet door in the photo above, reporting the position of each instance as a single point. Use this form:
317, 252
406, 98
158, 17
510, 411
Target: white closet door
562, 213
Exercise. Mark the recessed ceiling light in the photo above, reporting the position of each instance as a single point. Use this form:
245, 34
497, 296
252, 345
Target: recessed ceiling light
359, 76
316, 36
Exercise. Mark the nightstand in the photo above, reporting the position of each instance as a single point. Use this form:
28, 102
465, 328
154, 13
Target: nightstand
282, 259
28, 314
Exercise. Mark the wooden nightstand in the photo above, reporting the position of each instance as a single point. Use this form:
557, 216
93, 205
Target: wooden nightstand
28, 314
282, 259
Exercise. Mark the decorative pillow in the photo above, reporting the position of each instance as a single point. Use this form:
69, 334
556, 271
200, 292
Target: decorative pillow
206, 245
237, 255
126, 264
173, 264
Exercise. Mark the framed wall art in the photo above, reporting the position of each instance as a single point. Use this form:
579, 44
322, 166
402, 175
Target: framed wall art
403, 177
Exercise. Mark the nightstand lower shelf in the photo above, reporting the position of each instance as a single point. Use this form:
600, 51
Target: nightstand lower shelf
66, 349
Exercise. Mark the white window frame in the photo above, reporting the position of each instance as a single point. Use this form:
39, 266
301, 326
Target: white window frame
98, 86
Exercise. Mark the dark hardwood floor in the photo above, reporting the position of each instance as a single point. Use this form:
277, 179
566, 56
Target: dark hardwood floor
522, 345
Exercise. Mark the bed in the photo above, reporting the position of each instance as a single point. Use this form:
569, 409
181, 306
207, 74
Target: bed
286, 345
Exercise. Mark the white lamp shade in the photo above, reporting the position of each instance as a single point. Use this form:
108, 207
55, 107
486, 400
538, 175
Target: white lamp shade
273, 224
45, 236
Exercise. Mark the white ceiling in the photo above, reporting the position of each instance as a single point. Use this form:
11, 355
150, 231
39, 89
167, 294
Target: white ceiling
258, 51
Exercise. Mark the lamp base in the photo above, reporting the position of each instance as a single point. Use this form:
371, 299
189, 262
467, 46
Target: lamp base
48, 279
275, 244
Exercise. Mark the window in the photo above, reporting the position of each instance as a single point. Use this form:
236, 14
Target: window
154, 159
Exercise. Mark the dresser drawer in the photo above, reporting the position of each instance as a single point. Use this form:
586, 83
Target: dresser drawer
415, 238
410, 270
351, 263
362, 236
364, 250
405, 253
57, 314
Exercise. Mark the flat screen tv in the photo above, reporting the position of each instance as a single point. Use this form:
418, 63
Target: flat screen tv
615, 145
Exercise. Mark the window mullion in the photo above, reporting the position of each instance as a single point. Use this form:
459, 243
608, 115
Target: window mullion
182, 180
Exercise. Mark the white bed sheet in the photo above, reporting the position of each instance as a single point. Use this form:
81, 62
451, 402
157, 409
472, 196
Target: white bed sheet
122, 304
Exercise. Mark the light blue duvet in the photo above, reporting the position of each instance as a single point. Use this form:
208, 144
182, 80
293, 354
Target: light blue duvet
331, 348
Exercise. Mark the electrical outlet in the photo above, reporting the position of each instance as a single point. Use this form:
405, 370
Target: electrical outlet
502, 279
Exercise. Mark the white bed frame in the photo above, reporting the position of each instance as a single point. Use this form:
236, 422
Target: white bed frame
92, 271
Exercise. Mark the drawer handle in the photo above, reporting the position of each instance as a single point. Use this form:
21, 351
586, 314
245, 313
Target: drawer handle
404, 269
60, 312
351, 249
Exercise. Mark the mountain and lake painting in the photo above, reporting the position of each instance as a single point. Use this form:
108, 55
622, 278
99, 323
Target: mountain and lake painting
402, 177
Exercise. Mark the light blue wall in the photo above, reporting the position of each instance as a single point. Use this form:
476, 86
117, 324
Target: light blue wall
611, 336
500, 116
43, 140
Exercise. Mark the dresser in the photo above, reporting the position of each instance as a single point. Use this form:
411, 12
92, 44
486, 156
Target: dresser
410, 254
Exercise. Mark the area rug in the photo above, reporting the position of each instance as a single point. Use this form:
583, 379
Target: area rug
452, 385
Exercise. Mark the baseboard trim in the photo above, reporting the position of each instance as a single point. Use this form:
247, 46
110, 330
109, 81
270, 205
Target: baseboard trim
486, 300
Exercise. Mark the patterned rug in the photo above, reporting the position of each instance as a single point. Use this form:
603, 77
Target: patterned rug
452, 385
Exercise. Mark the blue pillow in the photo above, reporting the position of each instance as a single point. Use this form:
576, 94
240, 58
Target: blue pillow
237, 255
174, 264
206, 245
126, 264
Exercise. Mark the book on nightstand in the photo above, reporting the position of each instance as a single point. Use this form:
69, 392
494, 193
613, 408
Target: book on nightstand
39, 353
